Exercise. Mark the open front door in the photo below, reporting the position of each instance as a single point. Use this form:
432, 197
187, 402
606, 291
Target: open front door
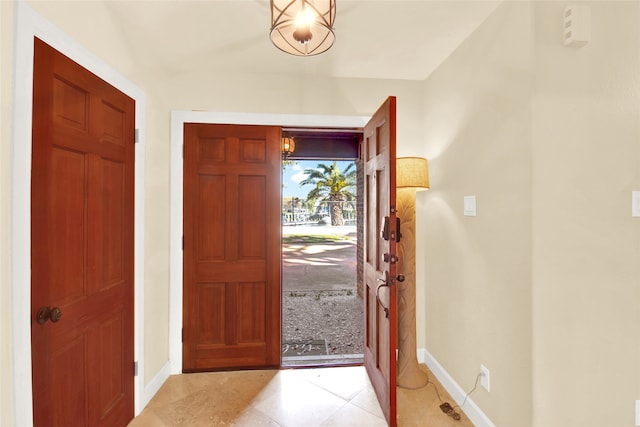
379, 153
232, 218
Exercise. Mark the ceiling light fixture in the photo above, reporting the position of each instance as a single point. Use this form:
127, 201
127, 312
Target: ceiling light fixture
303, 27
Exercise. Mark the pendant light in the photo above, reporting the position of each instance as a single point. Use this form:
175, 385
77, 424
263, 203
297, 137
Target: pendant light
303, 27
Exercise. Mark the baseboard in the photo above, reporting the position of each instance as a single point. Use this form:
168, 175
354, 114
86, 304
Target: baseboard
473, 411
154, 385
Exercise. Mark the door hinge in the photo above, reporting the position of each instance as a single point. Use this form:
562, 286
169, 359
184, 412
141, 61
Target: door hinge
183, 151
136, 137
182, 335
183, 243
135, 368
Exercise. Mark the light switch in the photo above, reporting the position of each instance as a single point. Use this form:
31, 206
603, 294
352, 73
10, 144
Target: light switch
469, 205
635, 204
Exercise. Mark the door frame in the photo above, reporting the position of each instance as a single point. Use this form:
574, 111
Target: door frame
178, 119
30, 24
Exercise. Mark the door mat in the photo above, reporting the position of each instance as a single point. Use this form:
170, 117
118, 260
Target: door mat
304, 348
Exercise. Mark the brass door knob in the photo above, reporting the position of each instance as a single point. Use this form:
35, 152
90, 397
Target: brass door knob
46, 313
56, 314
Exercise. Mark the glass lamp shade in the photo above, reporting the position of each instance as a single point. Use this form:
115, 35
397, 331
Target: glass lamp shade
303, 27
412, 172
288, 146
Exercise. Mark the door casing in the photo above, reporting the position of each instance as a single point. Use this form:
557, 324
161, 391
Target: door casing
29, 24
178, 119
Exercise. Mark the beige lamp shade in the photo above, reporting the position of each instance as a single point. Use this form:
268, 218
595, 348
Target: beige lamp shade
412, 172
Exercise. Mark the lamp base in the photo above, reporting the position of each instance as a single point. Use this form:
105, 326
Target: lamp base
410, 376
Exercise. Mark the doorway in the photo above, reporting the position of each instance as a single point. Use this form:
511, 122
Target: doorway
380, 133
28, 26
178, 119
322, 311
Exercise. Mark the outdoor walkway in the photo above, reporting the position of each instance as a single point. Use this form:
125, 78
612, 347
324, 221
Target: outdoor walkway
313, 260
322, 313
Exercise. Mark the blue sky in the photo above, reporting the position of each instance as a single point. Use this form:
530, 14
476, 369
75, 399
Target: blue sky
292, 175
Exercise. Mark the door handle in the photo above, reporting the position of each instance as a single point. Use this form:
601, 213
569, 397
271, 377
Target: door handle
46, 313
383, 282
387, 281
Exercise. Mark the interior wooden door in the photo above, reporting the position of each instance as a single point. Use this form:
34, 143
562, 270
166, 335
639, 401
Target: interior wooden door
232, 253
82, 246
379, 152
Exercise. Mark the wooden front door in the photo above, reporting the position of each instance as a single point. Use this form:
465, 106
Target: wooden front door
232, 254
81, 246
380, 255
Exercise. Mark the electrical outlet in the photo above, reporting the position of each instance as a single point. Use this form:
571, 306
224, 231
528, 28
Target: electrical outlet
485, 378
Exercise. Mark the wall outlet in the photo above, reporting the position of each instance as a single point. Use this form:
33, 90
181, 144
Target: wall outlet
485, 378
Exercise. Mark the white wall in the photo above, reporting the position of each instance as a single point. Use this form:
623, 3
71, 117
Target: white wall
6, 66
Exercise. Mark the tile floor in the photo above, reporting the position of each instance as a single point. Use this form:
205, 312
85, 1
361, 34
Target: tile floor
340, 396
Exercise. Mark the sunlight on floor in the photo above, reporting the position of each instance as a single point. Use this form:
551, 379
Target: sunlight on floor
294, 397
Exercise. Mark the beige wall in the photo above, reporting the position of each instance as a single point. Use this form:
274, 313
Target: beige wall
586, 246
6, 67
478, 269
298, 94
543, 286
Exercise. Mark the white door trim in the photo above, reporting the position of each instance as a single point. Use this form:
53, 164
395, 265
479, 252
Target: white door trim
30, 24
178, 119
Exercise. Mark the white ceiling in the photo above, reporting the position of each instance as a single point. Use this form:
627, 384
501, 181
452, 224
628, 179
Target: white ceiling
374, 39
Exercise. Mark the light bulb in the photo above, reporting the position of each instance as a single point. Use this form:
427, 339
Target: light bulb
304, 18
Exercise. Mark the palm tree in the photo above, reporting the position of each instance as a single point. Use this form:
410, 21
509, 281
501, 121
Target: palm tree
332, 186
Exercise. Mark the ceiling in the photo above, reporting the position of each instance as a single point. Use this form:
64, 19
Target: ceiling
395, 39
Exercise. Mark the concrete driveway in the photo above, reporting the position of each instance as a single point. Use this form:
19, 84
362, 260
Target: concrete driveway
319, 266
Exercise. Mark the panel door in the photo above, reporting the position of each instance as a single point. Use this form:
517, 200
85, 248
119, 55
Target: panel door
82, 246
232, 252
379, 152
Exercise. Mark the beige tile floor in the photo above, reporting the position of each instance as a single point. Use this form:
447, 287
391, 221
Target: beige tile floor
340, 396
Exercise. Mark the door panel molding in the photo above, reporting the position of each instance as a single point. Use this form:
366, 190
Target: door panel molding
240, 284
82, 257
178, 119
29, 25
380, 267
